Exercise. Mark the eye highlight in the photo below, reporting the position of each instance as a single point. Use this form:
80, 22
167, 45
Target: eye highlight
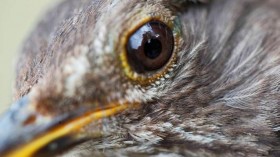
150, 47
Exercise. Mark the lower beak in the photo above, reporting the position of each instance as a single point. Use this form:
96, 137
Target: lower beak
24, 132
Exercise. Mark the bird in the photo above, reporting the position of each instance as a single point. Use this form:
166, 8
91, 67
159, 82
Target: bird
148, 78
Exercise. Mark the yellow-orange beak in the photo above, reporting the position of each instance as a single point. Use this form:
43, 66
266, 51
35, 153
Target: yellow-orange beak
24, 133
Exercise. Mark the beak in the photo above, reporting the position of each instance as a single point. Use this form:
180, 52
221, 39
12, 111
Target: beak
25, 132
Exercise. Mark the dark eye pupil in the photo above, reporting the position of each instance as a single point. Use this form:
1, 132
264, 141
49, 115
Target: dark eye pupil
152, 48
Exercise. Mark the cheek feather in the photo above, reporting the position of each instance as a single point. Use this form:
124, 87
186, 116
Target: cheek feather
75, 70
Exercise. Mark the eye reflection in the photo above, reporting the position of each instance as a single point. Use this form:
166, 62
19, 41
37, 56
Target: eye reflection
150, 47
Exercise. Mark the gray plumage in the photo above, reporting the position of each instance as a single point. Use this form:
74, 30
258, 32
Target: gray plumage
221, 98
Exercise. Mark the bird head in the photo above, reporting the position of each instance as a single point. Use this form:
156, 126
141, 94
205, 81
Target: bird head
106, 58
139, 73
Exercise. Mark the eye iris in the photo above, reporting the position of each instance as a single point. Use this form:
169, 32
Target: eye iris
150, 47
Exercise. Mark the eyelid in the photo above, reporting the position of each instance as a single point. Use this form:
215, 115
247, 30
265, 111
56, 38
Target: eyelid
149, 78
154, 50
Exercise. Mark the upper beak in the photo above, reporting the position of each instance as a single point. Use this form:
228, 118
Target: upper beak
25, 132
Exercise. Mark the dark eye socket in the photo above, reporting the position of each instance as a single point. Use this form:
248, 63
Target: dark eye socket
150, 47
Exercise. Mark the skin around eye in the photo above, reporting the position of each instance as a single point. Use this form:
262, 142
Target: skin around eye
150, 47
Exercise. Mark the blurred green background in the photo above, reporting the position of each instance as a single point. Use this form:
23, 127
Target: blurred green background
17, 18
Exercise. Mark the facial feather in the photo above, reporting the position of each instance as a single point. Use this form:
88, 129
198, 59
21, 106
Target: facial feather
221, 96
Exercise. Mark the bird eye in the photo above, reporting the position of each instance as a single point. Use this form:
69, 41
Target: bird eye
150, 47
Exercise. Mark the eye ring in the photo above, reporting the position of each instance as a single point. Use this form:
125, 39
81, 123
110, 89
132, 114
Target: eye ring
150, 47
150, 76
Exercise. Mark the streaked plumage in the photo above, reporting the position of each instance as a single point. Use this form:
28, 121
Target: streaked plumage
220, 98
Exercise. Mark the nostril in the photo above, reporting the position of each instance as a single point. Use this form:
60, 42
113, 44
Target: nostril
30, 120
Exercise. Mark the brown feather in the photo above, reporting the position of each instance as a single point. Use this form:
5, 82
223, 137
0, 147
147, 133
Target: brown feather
221, 99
